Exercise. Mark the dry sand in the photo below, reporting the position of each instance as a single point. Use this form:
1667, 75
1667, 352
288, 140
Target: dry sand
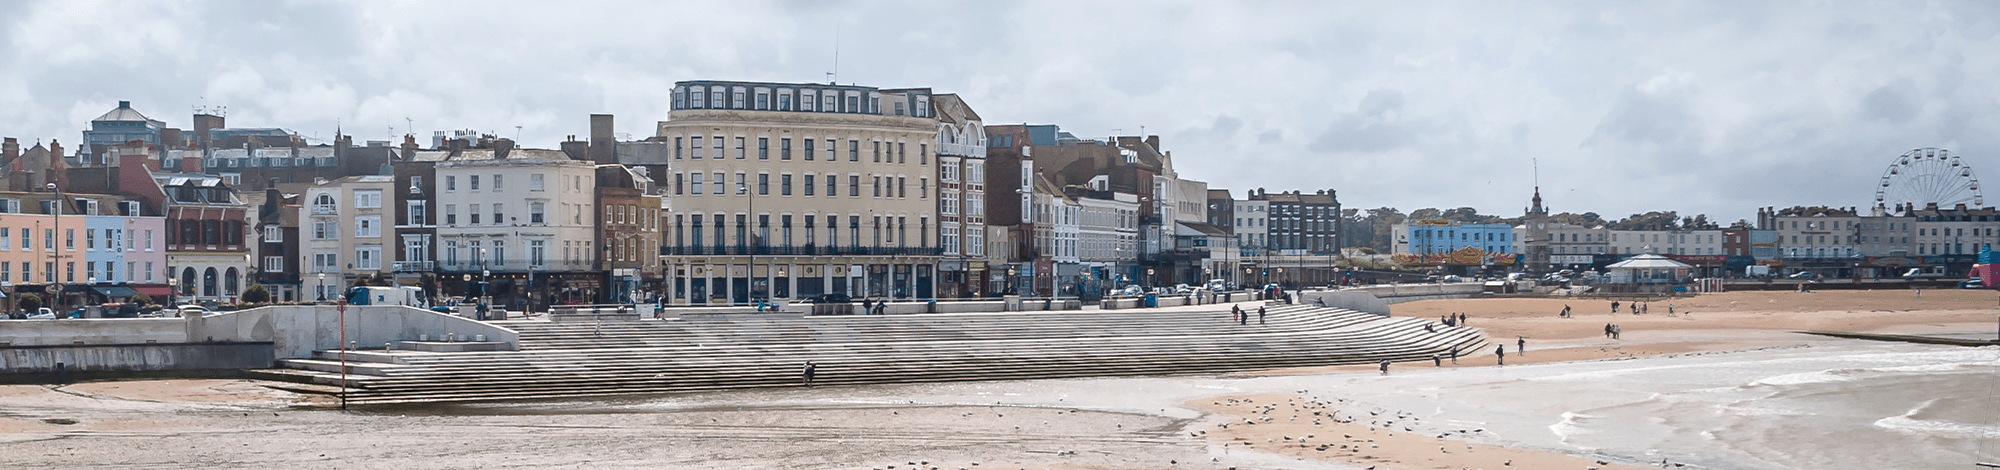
233, 423
1710, 322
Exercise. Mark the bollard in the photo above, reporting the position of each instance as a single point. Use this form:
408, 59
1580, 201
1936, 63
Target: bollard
351, 345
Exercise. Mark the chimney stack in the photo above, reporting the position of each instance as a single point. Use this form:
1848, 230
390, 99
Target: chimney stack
501, 147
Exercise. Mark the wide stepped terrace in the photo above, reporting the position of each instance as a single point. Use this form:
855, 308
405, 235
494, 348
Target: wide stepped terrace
718, 352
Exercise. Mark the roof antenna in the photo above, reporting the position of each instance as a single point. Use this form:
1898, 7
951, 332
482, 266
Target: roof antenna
833, 78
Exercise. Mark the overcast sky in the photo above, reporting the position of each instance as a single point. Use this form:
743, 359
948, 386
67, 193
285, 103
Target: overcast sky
1713, 108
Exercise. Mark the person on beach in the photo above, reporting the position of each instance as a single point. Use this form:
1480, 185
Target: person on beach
1454, 354
1670, 310
1437, 361
1461, 319
1614, 306
1260, 316
1245, 319
1429, 329
1500, 353
809, 373
1617, 331
1645, 308
1385, 367
1521, 345
1607, 330
1565, 313
1235, 313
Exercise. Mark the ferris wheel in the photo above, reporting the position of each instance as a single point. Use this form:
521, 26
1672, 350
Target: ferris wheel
1928, 175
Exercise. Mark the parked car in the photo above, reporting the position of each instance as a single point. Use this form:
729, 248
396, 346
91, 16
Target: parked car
192, 310
1803, 275
1973, 283
43, 312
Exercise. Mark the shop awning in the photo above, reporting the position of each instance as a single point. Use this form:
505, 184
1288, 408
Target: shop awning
159, 293
114, 291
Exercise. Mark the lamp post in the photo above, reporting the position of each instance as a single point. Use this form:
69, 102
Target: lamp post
322, 287
57, 209
750, 200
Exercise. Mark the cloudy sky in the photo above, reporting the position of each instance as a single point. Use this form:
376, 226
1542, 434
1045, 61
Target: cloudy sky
1713, 108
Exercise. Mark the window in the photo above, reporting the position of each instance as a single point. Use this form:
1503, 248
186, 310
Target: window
325, 262
696, 147
695, 180
326, 230
809, 149
739, 149
923, 154
785, 185
830, 148
763, 146
368, 257
535, 182
878, 151
763, 184
678, 143
69, 239
785, 149
273, 264
854, 151
832, 188
451, 214
878, 186
474, 213
808, 187
368, 226
784, 102
6, 241
498, 216
368, 199
149, 238
763, 100
854, 185
90, 239
451, 183
535, 213
717, 184
537, 252
473, 182
901, 155
416, 212
718, 147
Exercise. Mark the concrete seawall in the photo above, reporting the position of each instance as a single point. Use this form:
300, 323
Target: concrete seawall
37, 364
224, 344
1376, 299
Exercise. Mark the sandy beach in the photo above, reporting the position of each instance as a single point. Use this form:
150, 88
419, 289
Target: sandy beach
1417, 417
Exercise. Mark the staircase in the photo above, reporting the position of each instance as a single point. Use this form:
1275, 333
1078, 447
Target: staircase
718, 352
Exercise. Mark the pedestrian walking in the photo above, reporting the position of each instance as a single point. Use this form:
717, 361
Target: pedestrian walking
1454, 354
1500, 353
1614, 306
1437, 361
1607, 330
809, 373
1565, 313
1385, 367
1670, 310
1461, 319
1260, 316
1645, 308
1920, 293
1245, 319
1235, 312
1521, 345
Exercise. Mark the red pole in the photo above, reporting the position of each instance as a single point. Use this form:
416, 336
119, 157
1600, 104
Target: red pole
343, 353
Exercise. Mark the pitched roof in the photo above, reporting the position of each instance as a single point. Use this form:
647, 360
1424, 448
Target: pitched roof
123, 112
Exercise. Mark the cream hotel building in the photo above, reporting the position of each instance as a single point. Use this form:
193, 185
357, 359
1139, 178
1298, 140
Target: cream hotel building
792, 190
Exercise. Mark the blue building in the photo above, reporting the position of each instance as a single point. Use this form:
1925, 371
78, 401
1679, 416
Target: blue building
1437, 239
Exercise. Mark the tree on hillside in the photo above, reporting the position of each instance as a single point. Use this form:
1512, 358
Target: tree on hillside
1587, 219
1379, 221
1655, 220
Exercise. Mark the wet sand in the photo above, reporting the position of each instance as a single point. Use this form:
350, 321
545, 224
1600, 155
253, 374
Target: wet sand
237, 424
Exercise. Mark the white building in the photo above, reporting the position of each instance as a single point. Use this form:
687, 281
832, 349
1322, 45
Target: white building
519, 213
1252, 232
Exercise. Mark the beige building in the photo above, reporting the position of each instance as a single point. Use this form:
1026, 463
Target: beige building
791, 190
343, 231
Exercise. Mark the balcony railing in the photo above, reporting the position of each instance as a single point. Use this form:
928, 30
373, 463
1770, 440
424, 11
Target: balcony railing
323, 209
519, 265
801, 250
415, 266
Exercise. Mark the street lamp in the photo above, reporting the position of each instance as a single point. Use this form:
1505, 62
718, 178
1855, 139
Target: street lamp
743, 188
58, 209
322, 287
485, 297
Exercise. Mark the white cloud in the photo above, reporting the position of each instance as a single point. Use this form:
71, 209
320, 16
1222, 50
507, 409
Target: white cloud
1723, 107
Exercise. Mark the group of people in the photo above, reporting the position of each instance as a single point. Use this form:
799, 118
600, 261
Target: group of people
1637, 308
874, 307
1611, 330
1242, 317
1453, 319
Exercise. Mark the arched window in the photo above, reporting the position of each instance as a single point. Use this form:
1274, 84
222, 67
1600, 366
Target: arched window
208, 283
229, 282
187, 281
